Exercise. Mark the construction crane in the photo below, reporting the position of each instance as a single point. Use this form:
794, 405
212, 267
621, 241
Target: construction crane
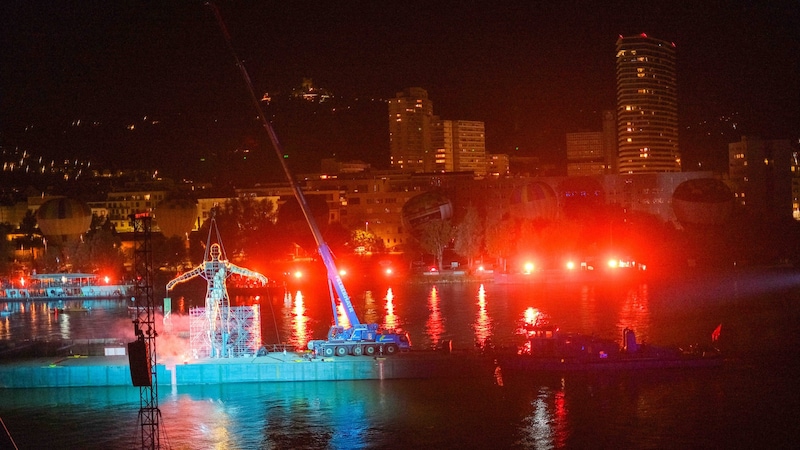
356, 338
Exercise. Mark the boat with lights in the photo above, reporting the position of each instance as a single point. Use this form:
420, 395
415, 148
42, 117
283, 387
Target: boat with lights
547, 349
63, 286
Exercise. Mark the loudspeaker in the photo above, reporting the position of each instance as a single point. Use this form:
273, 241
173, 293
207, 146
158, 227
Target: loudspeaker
139, 363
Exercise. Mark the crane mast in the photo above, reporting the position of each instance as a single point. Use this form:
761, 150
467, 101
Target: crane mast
359, 338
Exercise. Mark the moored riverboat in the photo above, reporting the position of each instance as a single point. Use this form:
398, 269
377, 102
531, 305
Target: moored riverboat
63, 286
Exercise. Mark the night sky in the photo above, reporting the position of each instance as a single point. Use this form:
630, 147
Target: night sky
532, 71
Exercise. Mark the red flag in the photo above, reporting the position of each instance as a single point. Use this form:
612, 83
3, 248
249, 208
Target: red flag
715, 334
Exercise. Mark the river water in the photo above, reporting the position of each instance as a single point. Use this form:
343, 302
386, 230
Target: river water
749, 402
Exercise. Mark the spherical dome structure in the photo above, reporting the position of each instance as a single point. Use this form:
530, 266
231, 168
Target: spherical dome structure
535, 200
175, 217
61, 219
702, 202
424, 208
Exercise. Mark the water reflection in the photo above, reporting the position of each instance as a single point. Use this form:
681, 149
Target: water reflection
390, 320
434, 326
371, 314
588, 307
299, 331
546, 424
61, 319
635, 313
341, 316
282, 415
447, 315
483, 323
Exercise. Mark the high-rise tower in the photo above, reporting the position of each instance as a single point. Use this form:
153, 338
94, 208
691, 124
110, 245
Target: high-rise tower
647, 106
459, 145
410, 146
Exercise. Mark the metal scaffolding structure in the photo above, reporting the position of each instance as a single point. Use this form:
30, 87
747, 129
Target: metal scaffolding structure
145, 331
232, 331
220, 330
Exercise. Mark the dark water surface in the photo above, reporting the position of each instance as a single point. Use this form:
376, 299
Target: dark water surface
750, 402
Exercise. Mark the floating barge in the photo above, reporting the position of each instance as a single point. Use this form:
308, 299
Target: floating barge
83, 371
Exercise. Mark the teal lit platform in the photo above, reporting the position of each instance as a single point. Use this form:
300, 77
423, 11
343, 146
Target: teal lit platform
114, 370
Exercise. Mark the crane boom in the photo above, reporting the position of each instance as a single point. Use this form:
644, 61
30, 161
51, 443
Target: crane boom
358, 338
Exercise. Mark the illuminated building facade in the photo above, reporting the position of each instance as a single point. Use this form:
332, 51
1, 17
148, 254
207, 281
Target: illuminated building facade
469, 139
647, 106
497, 164
443, 145
121, 204
371, 201
585, 154
459, 146
760, 174
410, 144
593, 152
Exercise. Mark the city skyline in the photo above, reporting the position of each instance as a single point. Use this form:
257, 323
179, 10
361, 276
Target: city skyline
531, 73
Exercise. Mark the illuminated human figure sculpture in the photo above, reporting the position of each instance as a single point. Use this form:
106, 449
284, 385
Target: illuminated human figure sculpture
215, 271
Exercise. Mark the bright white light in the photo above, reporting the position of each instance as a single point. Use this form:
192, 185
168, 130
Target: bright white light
528, 267
531, 315
570, 265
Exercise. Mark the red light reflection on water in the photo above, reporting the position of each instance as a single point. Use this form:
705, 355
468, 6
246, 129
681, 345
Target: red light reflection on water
483, 323
342, 316
390, 321
635, 313
300, 334
434, 326
370, 312
561, 432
